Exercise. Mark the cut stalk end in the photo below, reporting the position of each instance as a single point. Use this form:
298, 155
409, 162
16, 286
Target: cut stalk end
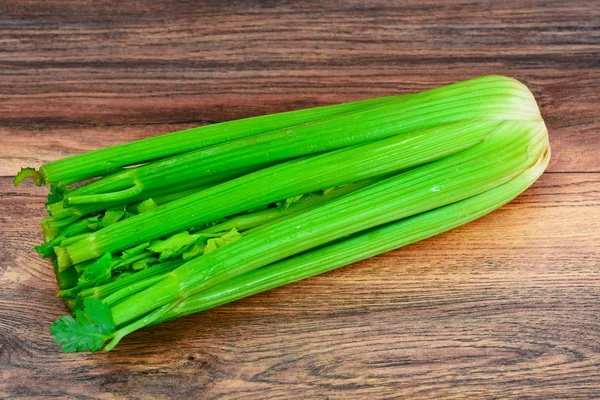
62, 257
25, 173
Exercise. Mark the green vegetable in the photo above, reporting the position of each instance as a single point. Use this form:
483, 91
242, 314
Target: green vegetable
94, 274
217, 235
147, 275
87, 331
61, 211
216, 214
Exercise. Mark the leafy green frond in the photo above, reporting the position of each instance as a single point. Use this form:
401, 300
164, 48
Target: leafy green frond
46, 249
96, 273
196, 250
89, 330
112, 217
56, 194
215, 243
134, 251
284, 204
145, 205
143, 264
173, 245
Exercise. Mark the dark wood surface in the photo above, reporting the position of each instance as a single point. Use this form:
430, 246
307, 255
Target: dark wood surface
505, 307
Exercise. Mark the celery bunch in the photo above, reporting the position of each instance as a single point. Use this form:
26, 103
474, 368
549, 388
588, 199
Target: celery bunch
210, 215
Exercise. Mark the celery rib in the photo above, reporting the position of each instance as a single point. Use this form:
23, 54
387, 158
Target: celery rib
60, 210
244, 223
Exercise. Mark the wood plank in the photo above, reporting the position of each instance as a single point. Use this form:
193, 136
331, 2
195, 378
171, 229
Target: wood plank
76, 77
504, 307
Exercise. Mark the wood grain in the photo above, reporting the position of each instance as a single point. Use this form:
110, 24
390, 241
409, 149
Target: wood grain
500, 307
72, 71
505, 307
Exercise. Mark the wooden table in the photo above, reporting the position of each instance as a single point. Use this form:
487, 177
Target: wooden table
505, 307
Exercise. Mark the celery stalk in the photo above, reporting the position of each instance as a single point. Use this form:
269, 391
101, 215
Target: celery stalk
61, 211
243, 223
184, 222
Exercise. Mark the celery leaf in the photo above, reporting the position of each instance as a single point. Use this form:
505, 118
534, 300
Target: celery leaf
172, 246
89, 330
215, 243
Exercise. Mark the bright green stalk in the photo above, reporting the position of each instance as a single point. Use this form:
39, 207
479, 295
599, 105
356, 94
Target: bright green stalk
135, 287
465, 100
363, 246
279, 182
512, 149
256, 220
251, 220
101, 162
261, 218
59, 211
118, 284
54, 224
